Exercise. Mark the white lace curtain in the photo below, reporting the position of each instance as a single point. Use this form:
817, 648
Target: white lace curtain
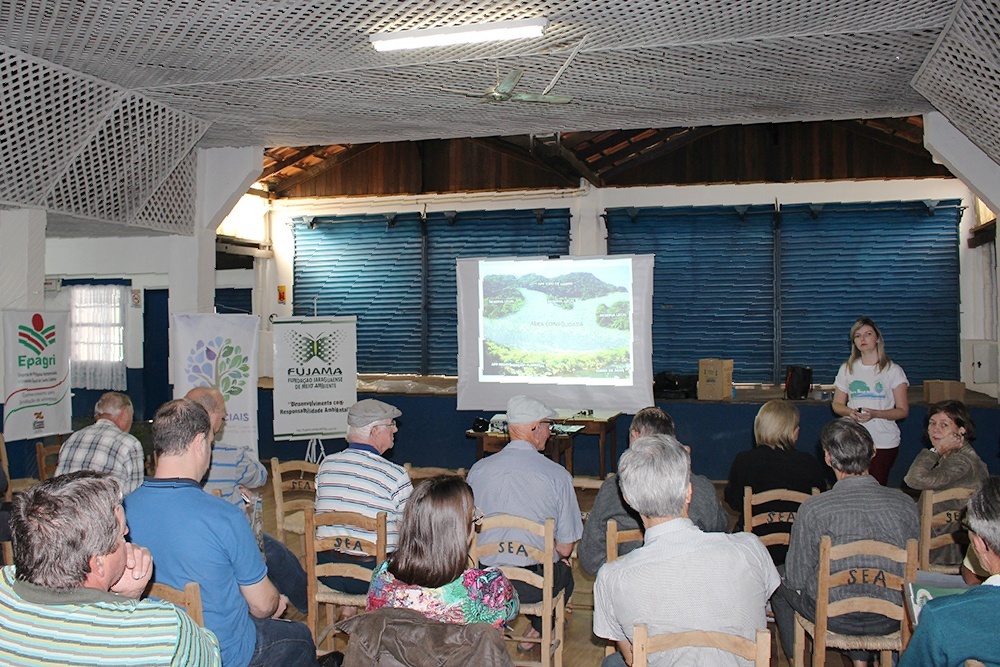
97, 336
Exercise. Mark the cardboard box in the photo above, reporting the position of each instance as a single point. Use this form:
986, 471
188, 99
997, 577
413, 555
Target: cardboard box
715, 379
943, 390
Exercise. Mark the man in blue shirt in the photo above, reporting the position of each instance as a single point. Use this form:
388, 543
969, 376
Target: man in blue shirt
195, 536
956, 628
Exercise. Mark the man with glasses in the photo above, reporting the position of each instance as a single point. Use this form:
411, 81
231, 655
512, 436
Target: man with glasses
520, 480
957, 628
359, 479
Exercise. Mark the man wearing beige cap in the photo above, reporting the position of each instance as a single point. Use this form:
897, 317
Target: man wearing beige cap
522, 481
358, 479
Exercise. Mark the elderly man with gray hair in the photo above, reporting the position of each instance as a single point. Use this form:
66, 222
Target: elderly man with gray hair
856, 508
955, 629
106, 445
73, 593
705, 510
521, 481
681, 578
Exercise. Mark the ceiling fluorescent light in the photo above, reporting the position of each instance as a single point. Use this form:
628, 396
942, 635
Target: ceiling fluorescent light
468, 34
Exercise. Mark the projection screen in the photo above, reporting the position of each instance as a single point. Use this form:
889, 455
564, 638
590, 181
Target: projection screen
574, 332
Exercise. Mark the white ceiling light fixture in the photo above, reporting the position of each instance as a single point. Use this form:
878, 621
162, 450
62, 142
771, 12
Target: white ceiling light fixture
467, 34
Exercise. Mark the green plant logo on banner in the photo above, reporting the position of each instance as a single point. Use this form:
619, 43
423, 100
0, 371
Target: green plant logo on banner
219, 364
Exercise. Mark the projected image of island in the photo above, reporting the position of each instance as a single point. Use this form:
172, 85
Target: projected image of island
551, 321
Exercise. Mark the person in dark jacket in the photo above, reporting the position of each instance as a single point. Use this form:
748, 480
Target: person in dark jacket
774, 464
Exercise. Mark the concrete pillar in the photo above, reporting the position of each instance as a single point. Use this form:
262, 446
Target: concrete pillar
22, 263
223, 176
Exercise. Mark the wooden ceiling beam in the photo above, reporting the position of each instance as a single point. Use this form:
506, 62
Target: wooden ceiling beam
889, 139
633, 148
555, 150
677, 140
523, 155
601, 146
349, 153
300, 154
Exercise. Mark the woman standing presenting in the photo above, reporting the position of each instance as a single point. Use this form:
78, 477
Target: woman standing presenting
871, 390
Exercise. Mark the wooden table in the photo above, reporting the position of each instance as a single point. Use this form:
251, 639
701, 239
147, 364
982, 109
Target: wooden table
555, 447
601, 424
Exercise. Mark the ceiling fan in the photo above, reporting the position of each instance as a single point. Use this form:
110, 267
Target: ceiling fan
503, 91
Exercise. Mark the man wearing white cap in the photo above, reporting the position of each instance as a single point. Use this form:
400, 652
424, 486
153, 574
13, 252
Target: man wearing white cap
358, 479
522, 481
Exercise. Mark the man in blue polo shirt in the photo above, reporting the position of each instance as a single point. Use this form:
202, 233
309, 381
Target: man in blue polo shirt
195, 536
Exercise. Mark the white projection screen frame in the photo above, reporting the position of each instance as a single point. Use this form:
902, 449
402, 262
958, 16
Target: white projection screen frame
532, 293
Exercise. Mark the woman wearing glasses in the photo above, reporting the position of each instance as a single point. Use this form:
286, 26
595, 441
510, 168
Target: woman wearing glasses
428, 571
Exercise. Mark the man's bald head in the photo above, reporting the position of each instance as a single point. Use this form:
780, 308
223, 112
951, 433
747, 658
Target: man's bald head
213, 402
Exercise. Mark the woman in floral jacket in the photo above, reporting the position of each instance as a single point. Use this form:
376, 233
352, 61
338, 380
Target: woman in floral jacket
428, 573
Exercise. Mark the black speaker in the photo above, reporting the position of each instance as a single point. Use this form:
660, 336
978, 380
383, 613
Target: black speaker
798, 379
480, 424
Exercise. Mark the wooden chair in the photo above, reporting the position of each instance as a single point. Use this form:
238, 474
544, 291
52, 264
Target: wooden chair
48, 459
758, 651
419, 474
320, 594
13, 485
551, 608
189, 599
825, 609
294, 485
614, 538
783, 519
933, 516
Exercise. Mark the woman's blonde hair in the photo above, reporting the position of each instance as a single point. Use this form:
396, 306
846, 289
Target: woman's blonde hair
883, 358
775, 424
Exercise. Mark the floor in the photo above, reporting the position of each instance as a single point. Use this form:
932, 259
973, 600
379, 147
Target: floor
582, 649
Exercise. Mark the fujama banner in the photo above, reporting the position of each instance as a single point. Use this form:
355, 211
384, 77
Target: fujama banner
36, 374
315, 376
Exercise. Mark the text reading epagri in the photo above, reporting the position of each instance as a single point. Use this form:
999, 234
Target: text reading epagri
24, 361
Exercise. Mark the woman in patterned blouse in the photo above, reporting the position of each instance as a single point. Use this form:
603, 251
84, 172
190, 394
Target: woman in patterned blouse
427, 572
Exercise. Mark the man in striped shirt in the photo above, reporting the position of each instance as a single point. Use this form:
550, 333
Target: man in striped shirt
358, 479
233, 465
72, 596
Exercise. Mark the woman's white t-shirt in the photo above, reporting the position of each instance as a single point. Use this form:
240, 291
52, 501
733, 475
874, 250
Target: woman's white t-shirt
867, 387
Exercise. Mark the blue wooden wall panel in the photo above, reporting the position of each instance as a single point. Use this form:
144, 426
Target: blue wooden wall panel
895, 262
712, 285
506, 233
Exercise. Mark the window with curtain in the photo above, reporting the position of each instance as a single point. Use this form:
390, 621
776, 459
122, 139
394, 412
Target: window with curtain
97, 336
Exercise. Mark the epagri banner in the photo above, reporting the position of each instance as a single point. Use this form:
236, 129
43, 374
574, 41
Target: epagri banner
36, 374
315, 376
220, 351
